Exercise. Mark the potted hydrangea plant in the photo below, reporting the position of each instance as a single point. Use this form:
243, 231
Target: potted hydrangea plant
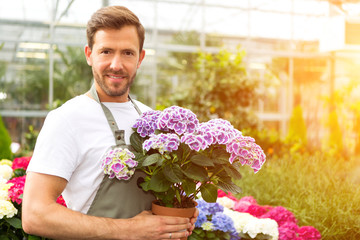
184, 159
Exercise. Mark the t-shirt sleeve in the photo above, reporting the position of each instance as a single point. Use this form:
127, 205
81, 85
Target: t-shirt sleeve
56, 151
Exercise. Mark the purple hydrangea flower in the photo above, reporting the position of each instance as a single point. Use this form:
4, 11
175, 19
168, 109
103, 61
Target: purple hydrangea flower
245, 150
177, 119
217, 131
195, 142
146, 124
119, 163
162, 142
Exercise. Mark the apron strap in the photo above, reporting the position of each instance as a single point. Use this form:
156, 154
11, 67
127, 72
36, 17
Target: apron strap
118, 134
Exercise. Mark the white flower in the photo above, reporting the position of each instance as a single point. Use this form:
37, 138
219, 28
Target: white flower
265, 226
4, 190
207, 226
6, 171
6, 162
226, 202
240, 219
248, 224
7, 209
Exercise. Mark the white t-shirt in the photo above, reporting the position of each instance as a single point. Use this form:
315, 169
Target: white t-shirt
73, 139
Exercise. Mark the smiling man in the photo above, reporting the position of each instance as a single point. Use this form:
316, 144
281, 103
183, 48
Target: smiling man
68, 152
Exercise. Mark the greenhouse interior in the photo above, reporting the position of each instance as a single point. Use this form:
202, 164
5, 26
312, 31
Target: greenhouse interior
285, 72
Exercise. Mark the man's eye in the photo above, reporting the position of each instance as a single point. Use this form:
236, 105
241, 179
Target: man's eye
105, 52
129, 53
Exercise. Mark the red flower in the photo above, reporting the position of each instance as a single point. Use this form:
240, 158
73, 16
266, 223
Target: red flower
308, 233
17, 189
22, 162
60, 200
223, 194
281, 215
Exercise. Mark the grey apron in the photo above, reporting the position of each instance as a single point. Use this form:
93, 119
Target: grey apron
119, 198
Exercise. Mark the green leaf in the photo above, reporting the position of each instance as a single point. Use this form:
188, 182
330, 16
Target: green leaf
136, 142
173, 173
189, 187
159, 183
32, 237
228, 185
139, 157
232, 172
4, 237
153, 158
196, 172
19, 172
209, 192
15, 222
220, 156
201, 160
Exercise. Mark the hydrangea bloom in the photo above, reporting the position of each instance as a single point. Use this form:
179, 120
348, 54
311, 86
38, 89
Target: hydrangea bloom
287, 231
212, 218
60, 200
17, 189
221, 194
119, 163
226, 202
281, 215
4, 188
6, 172
7, 209
265, 226
308, 233
245, 150
178, 119
21, 163
146, 124
217, 131
195, 142
242, 205
248, 224
209, 208
162, 142
6, 162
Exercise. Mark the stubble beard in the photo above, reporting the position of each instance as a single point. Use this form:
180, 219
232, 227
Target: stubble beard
115, 90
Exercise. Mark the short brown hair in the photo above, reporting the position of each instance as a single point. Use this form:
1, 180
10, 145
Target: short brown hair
113, 17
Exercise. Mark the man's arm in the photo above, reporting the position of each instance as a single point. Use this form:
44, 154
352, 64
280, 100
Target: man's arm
42, 216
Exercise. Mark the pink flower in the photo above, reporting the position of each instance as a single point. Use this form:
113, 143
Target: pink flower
21, 162
288, 231
221, 193
281, 215
243, 204
308, 233
17, 189
60, 200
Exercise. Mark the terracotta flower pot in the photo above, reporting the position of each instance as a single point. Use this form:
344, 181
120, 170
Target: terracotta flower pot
173, 212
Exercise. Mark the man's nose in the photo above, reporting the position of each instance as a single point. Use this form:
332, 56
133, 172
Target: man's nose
116, 63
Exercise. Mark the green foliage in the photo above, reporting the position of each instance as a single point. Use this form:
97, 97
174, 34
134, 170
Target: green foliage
316, 188
334, 141
297, 129
218, 87
30, 139
5, 142
72, 76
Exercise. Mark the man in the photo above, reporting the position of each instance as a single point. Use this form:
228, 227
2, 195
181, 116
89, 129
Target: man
74, 137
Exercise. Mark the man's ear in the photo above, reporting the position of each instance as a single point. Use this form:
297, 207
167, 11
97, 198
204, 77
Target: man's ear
141, 57
88, 52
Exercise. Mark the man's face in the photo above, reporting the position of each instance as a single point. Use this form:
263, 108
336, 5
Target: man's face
115, 59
